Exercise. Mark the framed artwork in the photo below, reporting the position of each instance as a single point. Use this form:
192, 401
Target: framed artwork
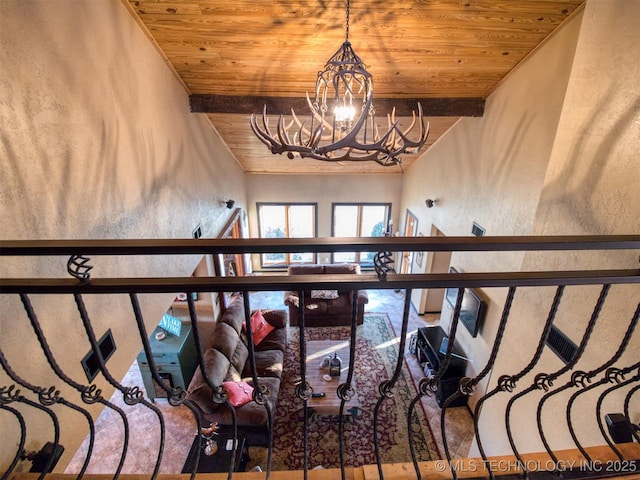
230, 265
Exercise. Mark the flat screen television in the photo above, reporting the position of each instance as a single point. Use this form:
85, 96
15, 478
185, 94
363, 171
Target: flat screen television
473, 307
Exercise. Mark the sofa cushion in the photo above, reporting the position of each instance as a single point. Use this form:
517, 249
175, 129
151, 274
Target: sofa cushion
250, 413
234, 315
342, 304
233, 375
276, 340
339, 268
225, 339
269, 363
311, 269
239, 357
216, 366
277, 318
200, 394
239, 393
324, 294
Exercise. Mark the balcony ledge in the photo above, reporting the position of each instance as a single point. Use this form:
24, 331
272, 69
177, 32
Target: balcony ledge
604, 463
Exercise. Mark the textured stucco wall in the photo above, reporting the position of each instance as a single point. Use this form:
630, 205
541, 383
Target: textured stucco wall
97, 142
491, 170
591, 187
555, 153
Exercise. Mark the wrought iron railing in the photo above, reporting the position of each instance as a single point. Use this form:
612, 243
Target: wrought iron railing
619, 373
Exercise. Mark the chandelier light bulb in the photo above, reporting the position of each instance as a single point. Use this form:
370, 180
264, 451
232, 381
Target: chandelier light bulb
345, 113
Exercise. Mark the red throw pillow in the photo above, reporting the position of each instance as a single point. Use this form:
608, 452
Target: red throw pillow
239, 393
260, 328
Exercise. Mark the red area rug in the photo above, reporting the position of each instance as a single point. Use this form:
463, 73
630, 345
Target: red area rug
376, 357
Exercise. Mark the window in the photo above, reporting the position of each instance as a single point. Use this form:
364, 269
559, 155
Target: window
280, 220
359, 220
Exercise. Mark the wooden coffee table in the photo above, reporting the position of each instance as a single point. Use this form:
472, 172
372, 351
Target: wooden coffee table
317, 350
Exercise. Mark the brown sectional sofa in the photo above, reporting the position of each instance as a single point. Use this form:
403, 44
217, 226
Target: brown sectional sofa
226, 358
329, 312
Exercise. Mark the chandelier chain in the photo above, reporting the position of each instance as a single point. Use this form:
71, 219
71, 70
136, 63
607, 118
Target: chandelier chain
347, 22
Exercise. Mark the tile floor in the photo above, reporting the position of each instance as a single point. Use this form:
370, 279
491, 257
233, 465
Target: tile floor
181, 427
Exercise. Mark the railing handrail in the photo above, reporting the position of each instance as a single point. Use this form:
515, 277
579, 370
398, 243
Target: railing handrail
317, 244
83, 252
305, 282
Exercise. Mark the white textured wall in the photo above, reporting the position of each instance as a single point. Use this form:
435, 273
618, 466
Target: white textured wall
491, 170
556, 152
592, 186
97, 142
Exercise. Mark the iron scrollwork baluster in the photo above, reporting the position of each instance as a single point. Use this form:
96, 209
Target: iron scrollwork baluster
382, 262
49, 397
345, 390
429, 385
131, 395
303, 390
580, 379
23, 436
627, 400
89, 394
468, 385
507, 383
260, 392
175, 395
544, 381
78, 267
617, 377
385, 388
11, 394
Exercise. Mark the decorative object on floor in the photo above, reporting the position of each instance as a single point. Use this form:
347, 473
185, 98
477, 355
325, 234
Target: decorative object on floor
341, 128
335, 365
211, 447
376, 356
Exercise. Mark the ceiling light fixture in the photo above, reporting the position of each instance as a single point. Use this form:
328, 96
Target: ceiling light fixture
342, 126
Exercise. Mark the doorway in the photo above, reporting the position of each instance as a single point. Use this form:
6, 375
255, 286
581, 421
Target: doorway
410, 230
429, 300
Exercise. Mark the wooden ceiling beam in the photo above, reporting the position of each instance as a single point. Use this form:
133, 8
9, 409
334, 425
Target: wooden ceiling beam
431, 107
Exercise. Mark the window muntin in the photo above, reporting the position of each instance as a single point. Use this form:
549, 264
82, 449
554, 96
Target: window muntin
281, 220
359, 220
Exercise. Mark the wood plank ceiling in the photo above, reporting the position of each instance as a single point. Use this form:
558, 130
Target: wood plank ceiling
237, 52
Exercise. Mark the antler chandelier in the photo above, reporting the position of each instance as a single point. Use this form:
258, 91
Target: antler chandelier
342, 126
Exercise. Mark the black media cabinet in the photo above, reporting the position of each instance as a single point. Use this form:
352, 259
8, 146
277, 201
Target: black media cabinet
428, 351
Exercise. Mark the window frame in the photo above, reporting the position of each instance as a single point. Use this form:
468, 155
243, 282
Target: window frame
359, 205
288, 255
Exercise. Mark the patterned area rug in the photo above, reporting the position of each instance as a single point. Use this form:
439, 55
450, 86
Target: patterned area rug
376, 357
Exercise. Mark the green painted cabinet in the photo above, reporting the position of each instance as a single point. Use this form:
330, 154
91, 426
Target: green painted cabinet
174, 358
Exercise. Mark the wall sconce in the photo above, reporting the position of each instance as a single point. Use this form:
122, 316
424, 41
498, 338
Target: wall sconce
229, 203
430, 203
